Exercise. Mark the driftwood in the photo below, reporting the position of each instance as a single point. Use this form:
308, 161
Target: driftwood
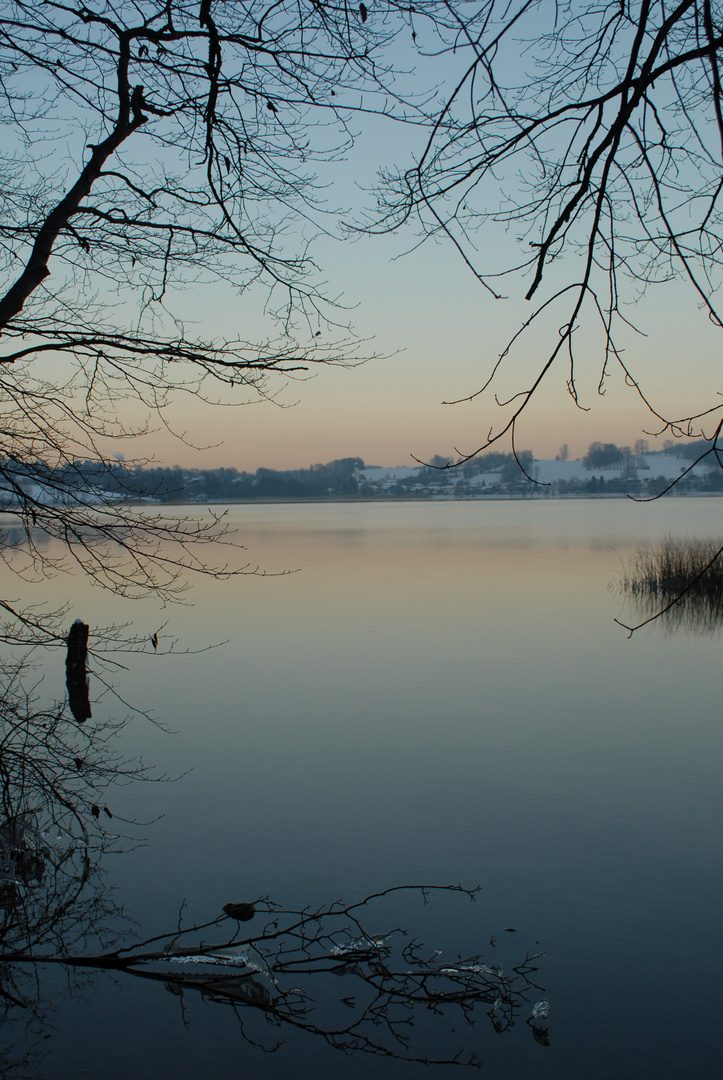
76, 678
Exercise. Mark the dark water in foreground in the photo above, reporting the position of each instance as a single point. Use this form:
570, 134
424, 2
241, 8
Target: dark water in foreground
439, 695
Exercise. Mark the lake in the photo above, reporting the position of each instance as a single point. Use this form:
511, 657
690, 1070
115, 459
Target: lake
438, 694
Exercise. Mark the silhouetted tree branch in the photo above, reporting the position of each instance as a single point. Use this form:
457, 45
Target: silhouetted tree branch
186, 138
150, 147
593, 136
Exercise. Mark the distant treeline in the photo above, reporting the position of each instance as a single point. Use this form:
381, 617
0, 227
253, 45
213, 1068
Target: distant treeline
608, 455
335, 479
167, 485
344, 478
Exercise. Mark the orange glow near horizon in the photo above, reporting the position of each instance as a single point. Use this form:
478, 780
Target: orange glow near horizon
440, 334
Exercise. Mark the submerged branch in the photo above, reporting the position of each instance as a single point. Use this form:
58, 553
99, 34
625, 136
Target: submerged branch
384, 980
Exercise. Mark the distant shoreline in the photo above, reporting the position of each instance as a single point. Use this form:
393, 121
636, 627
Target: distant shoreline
273, 500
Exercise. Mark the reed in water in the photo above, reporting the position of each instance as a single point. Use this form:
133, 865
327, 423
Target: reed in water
683, 576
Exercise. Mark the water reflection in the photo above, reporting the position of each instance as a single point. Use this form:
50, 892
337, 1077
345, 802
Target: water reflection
678, 583
400, 714
338, 972
345, 973
55, 784
54, 901
692, 614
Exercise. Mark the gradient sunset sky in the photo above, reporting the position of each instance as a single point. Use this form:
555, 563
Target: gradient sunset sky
438, 333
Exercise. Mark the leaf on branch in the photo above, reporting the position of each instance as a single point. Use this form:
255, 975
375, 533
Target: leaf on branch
363, 12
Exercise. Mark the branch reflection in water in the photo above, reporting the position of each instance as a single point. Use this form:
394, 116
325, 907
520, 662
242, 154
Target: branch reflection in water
57, 776
342, 972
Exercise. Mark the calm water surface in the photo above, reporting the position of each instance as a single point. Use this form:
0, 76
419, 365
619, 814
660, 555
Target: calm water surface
440, 694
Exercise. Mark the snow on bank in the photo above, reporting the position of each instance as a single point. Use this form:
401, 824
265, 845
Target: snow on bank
549, 472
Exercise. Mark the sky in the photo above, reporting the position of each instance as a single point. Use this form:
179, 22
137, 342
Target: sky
432, 334
437, 334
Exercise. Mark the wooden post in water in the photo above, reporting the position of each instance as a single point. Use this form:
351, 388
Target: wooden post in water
76, 678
